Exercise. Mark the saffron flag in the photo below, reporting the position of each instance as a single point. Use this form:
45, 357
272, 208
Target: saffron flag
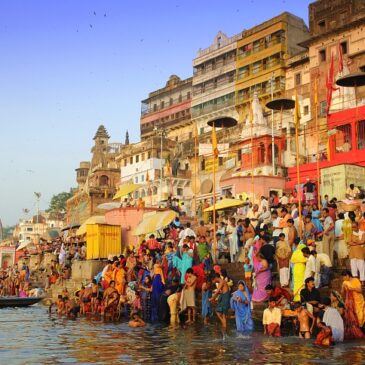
214, 143
297, 111
316, 92
340, 59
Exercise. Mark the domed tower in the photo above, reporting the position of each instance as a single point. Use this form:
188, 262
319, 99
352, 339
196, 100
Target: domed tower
81, 173
100, 148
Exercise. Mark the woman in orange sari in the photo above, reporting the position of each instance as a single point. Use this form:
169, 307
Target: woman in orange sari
119, 278
354, 306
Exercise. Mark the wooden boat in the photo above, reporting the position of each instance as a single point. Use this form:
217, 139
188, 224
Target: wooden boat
18, 302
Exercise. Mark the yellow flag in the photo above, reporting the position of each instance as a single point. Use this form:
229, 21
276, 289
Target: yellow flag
328, 150
214, 143
251, 115
297, 111
316, 92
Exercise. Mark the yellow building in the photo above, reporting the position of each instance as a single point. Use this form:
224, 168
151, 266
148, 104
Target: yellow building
261, 55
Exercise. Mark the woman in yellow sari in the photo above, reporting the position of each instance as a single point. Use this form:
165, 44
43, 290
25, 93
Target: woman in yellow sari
119, 278
298, 260
352, 291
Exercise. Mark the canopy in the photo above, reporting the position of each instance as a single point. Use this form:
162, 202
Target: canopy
224, 204
126, 189
108, 206
96, 219
23, 245
155, 222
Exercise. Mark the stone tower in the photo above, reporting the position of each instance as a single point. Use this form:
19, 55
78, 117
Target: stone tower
100, 148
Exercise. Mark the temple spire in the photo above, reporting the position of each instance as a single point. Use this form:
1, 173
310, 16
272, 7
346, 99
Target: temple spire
126, 138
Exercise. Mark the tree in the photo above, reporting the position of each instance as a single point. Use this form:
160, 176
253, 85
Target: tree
58, 202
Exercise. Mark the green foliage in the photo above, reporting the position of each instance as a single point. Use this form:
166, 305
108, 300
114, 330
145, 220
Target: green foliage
58, 202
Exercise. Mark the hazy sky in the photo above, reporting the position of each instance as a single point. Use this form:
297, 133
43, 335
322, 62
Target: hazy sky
67, 66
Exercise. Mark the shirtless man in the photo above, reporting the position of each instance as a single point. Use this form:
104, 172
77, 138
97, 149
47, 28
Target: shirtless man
71, 308
303, 318
60, 303
94, 295
136, 321
223, 303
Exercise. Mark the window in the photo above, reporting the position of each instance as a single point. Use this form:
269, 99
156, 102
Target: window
188, 95
202, 165
256, 67
136, 179
171, 101
176, 138
220, 161
143, 156
343, 138
261, 154
103, 180
322, 55
306, 110
343, 46
180, 191
154, 107
162, 104
137, 158
125, 162
131, 160
298, 79
29, 229
322, 109
201, 130
190, 135
180, 98
142, 178
361, 135
239, 155
149, 154
322, 25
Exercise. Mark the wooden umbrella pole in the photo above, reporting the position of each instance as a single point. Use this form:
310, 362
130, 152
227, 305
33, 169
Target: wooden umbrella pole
298, 180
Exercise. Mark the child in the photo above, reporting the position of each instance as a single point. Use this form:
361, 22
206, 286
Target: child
208, 267
324, 337
136, 321
303, 318
248, 267
272, 319
283, 254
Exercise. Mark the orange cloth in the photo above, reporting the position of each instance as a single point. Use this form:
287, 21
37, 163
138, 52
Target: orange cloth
157, 269
119, 278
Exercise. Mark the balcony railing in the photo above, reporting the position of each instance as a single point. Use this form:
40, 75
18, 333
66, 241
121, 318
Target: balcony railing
261, 47
151, 107
212, 107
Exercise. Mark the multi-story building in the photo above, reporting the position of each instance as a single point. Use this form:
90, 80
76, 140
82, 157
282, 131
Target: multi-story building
168, 109
214, 81
337, 38
97, 180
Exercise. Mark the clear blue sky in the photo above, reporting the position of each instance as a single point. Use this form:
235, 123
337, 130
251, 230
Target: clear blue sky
64, 70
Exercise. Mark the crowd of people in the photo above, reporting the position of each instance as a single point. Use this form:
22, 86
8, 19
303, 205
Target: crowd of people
286, 261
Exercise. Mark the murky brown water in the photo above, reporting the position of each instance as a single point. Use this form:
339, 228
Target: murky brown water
29, 336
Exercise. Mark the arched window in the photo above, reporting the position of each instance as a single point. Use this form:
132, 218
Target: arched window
154, 190
103, 180
261, 154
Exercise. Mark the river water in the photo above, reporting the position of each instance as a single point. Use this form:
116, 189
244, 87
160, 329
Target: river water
30, 336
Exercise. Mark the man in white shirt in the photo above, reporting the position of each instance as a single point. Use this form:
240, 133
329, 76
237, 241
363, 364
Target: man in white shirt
264, 203
284, 200
187, 232
310, 266
276, 226
333, 319
323, 269
265, 216
271, 319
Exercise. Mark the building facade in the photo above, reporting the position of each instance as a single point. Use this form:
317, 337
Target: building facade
169, 110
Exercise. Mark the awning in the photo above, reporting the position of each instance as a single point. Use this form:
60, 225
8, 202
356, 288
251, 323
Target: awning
108, 206
23, 245
96, 219
155, 222
126, 189
224, 204
71, 226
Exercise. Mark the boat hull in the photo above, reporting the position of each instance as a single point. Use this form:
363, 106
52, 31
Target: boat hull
6, 302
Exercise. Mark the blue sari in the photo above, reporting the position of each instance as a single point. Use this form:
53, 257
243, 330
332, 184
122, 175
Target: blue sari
206, 305
244, 322
157, 290
316, 214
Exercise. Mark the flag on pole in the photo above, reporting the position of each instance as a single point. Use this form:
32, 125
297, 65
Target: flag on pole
297, 115
340, 59
316, 92
214, 143
328, 150
251, 116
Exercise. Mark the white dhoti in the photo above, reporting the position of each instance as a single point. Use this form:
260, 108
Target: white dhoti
284, 276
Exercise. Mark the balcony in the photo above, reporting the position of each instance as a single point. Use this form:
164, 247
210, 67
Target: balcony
149, 106
212, 107
261, 47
